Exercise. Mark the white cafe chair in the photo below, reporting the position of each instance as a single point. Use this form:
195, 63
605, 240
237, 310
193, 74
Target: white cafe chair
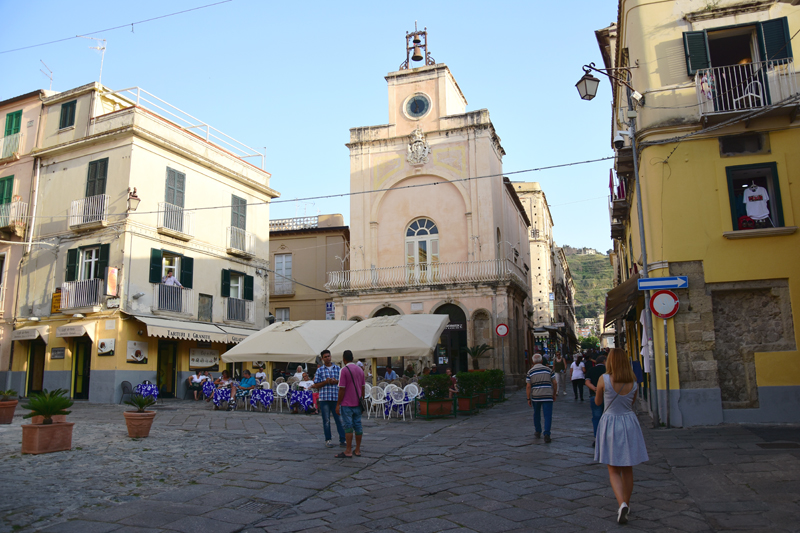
367, 397
399, 400
378, 400
281, 391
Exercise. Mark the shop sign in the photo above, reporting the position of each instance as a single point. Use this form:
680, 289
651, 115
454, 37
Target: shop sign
239, 338
24, 334
105, 347
330, 313
200, 358
456, 327
112, 274
58, 353
55, 303
70, 331
137, 353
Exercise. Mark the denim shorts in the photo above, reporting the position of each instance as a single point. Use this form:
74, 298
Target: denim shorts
351, 419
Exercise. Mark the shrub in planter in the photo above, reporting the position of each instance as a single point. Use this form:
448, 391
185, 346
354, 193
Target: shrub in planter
477, 352
483, 393
139, 421
47, 437
435, 401
496, 383
8, 403
467, 397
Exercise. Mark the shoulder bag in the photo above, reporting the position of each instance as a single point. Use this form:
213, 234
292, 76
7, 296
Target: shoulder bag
361, 401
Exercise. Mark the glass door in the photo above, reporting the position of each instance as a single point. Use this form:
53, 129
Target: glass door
167, 366
83, 360
36, 356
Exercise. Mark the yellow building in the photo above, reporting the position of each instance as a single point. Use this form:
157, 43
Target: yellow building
717, 136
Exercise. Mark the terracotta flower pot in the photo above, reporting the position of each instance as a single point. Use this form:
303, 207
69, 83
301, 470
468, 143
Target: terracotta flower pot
57, 419
435, 407
7, 411
467, 405
139, 423
46, 438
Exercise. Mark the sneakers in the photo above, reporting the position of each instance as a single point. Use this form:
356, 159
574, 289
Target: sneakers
622, 514
537, 434
342, 445
547, 438
328, 444
232, 406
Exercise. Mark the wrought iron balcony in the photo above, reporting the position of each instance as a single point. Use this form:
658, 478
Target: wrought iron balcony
175, 221
240, 242
13, 216
736, 88
173, 299
11, 146
289, 224
425, 275
239, 310
81, 294
89, 213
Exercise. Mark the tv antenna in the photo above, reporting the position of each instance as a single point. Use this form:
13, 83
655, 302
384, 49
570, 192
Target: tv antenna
50, 75
102, 49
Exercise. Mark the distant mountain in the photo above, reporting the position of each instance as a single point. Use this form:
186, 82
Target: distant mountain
592, 277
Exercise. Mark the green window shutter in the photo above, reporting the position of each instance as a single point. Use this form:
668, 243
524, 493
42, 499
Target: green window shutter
102, 261
13, 123
72, 264
775, 39
238, 212
67, 115
248, 288
187, 272
155, 265
695, 45
96, 180
6, 189
176, 187
226, 283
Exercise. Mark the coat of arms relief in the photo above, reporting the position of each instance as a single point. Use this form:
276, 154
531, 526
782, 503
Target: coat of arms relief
418, 148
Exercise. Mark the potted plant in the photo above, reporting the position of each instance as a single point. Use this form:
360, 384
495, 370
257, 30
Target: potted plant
467, 396
8, 403
47, 437
496, 381
435, 401
139, 421
482, 389
478, 352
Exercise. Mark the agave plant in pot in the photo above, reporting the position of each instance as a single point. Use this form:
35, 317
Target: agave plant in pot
139, 421
47, 437
8, 403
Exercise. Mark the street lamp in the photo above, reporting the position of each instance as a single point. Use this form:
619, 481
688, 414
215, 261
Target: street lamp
133, 200
587, 86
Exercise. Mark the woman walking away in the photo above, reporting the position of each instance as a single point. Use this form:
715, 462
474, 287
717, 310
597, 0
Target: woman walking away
578, 376
620, 443
560, 369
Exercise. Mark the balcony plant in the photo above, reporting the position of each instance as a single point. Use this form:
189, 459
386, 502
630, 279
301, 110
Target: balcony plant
435, 401
139, 421
467, 396
478, 352
496, 382
8, 403
47, 437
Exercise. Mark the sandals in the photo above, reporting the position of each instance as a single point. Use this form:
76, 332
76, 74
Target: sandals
341, 455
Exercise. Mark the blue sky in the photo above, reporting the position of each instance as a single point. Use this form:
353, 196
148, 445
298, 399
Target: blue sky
296, 76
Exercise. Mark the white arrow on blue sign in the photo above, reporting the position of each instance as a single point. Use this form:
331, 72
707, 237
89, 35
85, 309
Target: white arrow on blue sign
655, 284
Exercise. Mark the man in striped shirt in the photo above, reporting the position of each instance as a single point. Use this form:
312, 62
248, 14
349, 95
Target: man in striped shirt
541, 391
326, 381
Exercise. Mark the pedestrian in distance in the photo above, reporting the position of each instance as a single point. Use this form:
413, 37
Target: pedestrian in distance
560, 370
351, 390
326, 382
541, 390
620, 443
593, 376
578, 376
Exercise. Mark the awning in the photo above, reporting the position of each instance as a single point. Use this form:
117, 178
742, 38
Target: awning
621, 299
179, 329
77, 329
237, 335
30, 333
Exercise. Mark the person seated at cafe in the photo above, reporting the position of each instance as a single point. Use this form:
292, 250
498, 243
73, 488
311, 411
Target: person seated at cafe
426, 371
307, 384
409, 373
246, 384
223, 381
391, 375
260, 375
304, 385
433, 370
196, 383
298, 373
453, 383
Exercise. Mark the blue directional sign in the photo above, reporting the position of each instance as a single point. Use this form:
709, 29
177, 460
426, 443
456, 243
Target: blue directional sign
655, 284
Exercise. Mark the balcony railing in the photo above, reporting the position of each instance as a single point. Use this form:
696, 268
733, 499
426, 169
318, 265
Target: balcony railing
174, 220
173, 298
281, 286
288, 224
744, 87
91, 210
240, 242
13, 214
239, 310
426, 275
11, 145
83, 293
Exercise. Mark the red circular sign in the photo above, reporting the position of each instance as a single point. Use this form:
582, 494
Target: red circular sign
502, 330
664, 304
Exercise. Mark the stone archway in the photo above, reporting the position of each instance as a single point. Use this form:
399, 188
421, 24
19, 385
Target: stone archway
386, 310
453, 342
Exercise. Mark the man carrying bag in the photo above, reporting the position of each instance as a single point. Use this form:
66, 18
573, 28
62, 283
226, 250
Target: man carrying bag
351, 392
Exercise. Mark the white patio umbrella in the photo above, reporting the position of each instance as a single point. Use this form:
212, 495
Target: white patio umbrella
391, 336
298, 341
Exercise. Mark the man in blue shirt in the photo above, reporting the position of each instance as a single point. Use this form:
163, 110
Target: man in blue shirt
241, 390
326, 381
391, 375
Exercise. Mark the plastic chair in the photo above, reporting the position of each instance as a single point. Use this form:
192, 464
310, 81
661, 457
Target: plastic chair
378, 397
390, 387
127, 388
383, 385
399, 400
751, 93
281, 391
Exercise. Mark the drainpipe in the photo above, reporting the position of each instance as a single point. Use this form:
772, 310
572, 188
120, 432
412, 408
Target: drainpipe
34, 202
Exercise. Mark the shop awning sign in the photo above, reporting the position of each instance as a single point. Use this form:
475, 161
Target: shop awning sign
76, 329
31, 333
190, 331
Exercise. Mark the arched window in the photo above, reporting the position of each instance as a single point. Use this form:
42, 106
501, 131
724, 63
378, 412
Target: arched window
422, 247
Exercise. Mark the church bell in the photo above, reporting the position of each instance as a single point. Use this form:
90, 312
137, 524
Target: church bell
417, 55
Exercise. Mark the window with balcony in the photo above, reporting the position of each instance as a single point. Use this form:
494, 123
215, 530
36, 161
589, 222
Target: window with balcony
237, 289
6, 191
422, 249
283, 283
239, 241
172, 276
755, 197
11, 138
91, 209
83, 280
67, 118
173, 220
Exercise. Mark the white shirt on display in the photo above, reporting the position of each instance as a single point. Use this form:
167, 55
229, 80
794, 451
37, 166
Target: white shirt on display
756, 203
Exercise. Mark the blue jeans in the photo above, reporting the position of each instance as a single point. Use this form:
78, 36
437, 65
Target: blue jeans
325, 409
597, 412
351, 416
538, 407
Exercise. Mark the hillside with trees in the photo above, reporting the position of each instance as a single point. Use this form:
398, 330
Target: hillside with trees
592, 277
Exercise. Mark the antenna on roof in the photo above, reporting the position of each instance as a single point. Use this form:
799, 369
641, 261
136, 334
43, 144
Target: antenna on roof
46, 74
102, 49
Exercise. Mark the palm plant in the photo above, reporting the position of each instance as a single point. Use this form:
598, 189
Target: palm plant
141, 403
6, 395
48, 404
476, 352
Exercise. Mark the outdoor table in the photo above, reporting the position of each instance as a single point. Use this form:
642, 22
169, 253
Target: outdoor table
146, 390
263, 396
302, 397
221, 395
389, 405
208, 388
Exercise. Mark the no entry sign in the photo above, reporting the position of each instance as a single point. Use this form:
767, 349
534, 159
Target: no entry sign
664, 304
502, 330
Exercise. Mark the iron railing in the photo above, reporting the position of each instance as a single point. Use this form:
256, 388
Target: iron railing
173, 298
11, 145
288, 224
241, 241
175, 218
239, 310
419, 275
88, 210
743, 87
82, 293
13, 213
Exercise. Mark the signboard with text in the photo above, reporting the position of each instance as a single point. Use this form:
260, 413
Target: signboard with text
204, 359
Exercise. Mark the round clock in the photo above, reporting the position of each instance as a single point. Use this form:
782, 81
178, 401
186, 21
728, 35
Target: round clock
417, 106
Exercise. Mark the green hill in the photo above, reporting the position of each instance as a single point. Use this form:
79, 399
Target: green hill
592, 277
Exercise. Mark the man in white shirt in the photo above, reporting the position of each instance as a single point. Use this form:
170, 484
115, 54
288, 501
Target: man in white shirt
170, 279
261, 375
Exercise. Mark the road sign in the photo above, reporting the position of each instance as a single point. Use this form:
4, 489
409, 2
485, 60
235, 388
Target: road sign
502, 330
656, 284
664, 304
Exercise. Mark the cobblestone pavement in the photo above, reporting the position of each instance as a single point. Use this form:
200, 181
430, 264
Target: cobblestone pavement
218, 472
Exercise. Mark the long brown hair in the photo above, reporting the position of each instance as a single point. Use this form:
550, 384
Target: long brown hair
619, 366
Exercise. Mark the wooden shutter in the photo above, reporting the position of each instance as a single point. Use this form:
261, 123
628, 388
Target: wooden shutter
248, 288
238, 212
67, 115
187, 272
176, 187
226, 284
155, 265
13, 123
96, 180
102, 260
72, 264
6, 189
775, 39
695, 45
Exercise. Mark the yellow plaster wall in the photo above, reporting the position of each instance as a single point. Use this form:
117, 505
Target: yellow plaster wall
776, 369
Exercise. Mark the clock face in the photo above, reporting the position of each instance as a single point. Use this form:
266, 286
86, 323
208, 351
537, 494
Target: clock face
417, 106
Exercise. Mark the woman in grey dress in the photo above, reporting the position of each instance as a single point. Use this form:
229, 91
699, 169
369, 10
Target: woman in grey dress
620, 443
